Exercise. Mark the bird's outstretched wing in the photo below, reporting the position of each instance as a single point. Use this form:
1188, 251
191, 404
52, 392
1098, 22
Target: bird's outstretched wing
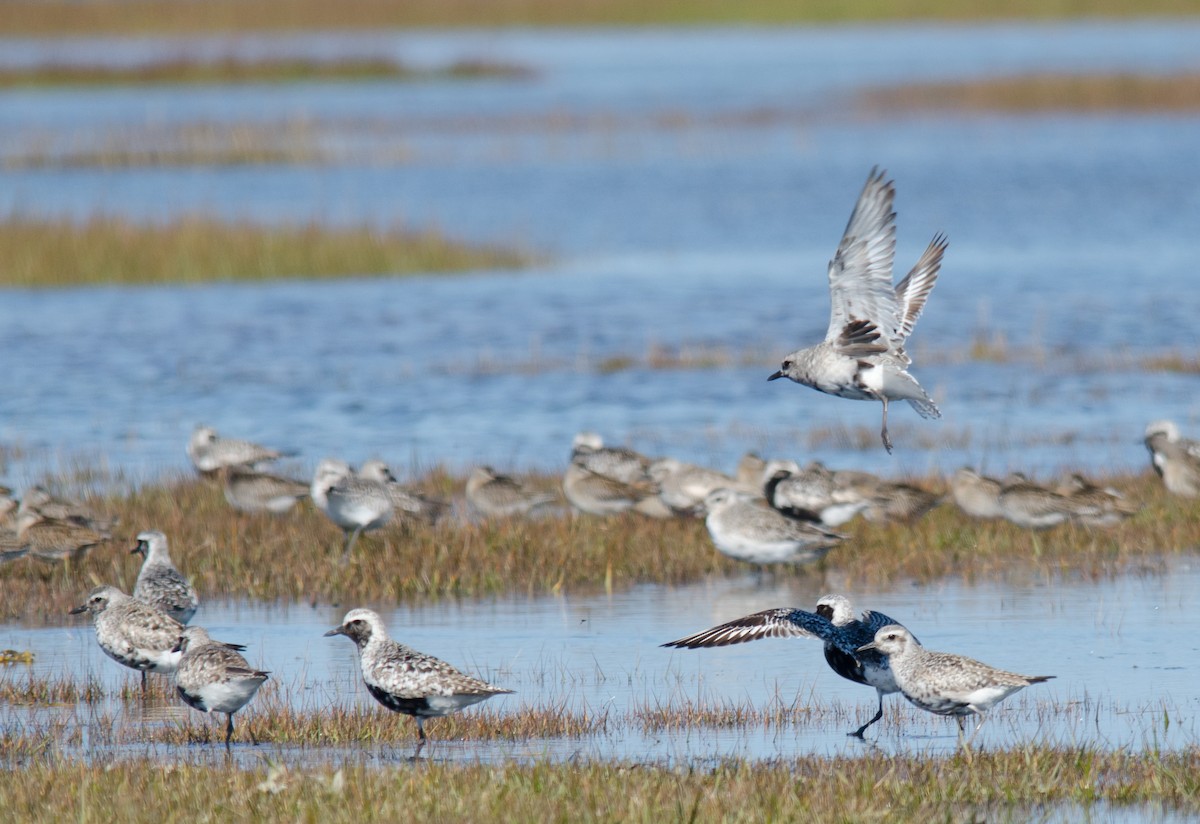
770, 623
860, 274
913, 291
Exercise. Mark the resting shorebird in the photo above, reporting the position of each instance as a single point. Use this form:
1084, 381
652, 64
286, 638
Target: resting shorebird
1175, 459
862, 356
211, 453
944, 683
407, 681
833, 622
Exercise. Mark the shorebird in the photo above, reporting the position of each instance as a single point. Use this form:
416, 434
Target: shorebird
407, 681
133, 634
211, 677
210, 453
248, 490
404, 500
1095, 506
684, 486
492, 494
750, 472
616, 462
39, 499
746, 530
862, 356
1175, 459
977, 495
159, 583
812, 493
1026, 504
944, 683
355, 504
56, 541
833, 623
598, 494
893, 501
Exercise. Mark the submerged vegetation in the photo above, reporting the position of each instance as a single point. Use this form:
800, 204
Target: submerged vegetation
112, 250
982, 786
295, 557
56, 17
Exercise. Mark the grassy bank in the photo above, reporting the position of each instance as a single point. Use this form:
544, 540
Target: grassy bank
234, 70
1047, 92
295, 557
110, 250
983, 786
57, 17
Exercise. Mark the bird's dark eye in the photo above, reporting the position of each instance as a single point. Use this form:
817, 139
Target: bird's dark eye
787, 364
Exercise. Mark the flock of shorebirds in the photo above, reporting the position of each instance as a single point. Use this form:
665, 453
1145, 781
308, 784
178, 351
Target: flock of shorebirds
768, 512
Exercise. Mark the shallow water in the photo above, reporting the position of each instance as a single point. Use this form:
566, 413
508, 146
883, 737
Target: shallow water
1121, 649
695, 207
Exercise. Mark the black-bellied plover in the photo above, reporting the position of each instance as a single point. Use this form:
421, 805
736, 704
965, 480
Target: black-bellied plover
53, 508
833, 622
56, 541
159, 583
1175, 459
355, 504
248, 490
496, 495
743, 527
975, 494
407, 681
131, 633
406, 503
210, 453
812, 493
944, 683
684, 486
862, 356
212, 677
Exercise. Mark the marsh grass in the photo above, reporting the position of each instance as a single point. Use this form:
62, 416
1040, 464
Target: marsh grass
231, 70
1006, 785
295, 557
1047, 92
58, 17
112, 250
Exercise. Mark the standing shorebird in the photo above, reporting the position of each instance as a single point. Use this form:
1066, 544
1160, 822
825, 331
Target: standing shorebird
354, 503
746, 529
407, 681
944, 683
833, 622
211, 677
862, 356
131, 633
159, 583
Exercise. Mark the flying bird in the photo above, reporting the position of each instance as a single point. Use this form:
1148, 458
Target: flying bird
862, 356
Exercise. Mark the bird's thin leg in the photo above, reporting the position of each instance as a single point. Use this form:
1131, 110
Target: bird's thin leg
887, 441
143, 684
350, 544
975, 731
858, 733
228, 729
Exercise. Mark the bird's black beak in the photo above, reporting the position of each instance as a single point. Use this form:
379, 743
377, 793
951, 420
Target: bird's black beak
866, 647
138, 548
775, 375
178, 645
336, 631
78, 609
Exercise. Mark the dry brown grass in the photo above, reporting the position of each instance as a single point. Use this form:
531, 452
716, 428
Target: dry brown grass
1047, 92
294, 558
